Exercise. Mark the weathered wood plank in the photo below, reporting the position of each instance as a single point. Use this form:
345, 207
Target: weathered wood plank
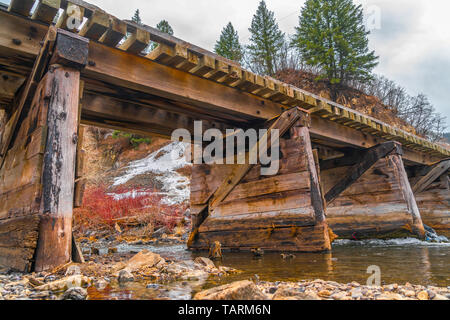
298, 239
30, 88
265, 203
283, 124
287, 182
22, 7
46, 10
317, 199
136, 42
18, 239
170, 56
437, 171
116, 31
96, 26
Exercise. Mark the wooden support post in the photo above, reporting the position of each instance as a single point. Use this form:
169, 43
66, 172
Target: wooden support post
434, 174
417, 227
63, 91
283, 212
316, 191
365, 162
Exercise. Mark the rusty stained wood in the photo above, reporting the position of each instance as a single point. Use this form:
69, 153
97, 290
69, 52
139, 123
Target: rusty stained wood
367, 159
55, 235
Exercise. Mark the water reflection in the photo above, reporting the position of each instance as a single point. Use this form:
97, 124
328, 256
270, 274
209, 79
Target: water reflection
400, 261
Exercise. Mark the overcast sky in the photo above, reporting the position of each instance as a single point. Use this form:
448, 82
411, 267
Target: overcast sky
413, 42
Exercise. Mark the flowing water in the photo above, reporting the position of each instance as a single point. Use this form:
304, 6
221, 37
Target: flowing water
400, 261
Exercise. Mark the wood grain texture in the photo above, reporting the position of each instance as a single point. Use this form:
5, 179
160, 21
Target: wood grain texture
375, 206
18, 239
55, 240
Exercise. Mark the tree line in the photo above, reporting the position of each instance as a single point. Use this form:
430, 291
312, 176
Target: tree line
331, 41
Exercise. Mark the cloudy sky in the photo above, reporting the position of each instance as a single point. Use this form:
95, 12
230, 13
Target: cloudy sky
413, 40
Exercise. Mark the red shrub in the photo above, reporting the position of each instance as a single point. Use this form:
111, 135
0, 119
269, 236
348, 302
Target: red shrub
102, 209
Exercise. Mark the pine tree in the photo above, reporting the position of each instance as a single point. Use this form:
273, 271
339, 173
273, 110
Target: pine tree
162, 26
228, 45
266, 40
137, 17
165, 27
332, 36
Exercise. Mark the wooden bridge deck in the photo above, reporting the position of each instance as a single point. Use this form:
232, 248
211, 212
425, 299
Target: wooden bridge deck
180, 79
122, 87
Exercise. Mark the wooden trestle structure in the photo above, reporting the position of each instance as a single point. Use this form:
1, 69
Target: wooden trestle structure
340, 170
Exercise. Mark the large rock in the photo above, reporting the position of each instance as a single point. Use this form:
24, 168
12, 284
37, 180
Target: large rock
65, 283
144, 259
241, 290
75, 294
125, 275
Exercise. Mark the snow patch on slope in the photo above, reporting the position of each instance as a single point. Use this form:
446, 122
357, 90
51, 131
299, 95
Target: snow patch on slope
163, 163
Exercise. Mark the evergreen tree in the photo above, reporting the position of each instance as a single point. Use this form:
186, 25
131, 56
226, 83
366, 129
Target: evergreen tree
162, 26
266, 41
165, 27
228, 45
137, 17
332, 36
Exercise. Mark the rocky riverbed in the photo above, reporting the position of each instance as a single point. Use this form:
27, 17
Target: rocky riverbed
163, 277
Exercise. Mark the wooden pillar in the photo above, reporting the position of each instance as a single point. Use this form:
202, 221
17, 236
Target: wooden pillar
283, 212
370, 195
317, 199
58, 177
405, 186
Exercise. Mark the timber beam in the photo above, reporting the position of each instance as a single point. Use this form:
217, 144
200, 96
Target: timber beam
365, 162
437, 171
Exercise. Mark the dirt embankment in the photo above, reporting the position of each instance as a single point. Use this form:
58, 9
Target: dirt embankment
346, 96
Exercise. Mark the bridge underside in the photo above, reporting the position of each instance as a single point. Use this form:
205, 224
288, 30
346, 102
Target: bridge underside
340, 171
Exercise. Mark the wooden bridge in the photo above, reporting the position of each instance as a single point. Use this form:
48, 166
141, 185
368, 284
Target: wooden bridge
340, 170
